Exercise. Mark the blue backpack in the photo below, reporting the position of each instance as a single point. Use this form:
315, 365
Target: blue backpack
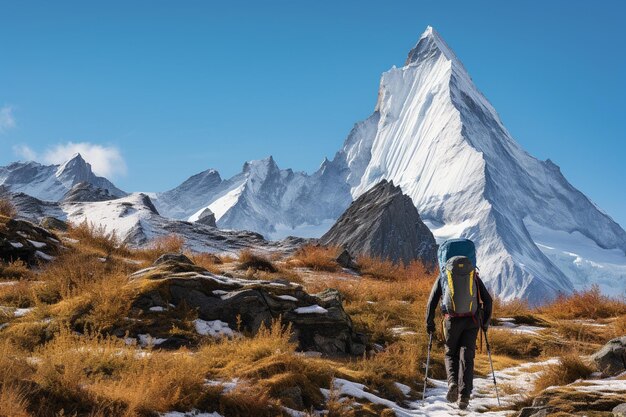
458, 276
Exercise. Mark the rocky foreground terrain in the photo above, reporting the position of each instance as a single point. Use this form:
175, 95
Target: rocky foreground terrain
91, 327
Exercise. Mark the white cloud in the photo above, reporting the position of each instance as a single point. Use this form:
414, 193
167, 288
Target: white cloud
25, 152
7, 120
105, 160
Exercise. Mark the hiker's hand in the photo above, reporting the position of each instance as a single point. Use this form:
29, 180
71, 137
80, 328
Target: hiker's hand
430, 328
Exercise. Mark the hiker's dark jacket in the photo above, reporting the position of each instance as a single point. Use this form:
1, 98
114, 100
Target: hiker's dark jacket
435, 297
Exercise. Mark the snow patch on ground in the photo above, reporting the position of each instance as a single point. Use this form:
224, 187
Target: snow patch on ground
227, 386
314, 309
36, 244
214, 328
190, 414
147, 340
435, 404
43, 256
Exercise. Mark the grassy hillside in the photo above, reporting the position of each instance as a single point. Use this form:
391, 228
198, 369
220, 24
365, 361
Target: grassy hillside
62, 353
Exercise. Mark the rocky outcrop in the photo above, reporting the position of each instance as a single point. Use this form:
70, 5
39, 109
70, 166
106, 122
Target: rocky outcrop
384, 223
611, 358
535, 412
52, 223
22, 240
207, 218
319, 322
619, 411
84, 191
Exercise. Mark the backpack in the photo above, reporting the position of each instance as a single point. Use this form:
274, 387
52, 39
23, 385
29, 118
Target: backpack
458, 276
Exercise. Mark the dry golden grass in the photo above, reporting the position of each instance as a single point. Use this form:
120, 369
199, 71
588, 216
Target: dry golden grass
249, 260
20, 294
97, 238
317, 258
160, 246
7, 208
75, 273
515, 345
619, 326
13, 401
208, 261
379, 268
569, 369
511, 308
581, 335
589, 304
16, 270
93, 373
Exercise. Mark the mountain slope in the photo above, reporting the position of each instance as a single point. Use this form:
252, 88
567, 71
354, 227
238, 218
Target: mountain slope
263, 198
52, 182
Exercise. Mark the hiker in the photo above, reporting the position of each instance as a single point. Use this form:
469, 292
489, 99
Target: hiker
466, 307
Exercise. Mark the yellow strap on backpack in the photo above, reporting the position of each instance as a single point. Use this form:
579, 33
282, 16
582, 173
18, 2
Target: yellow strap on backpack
471, 284
451, 286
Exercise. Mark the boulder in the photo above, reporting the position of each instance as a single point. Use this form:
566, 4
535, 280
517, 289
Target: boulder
318, 321
86, 192
20, 239
610, 360
535, 412
173, 258
620, 410
384, 223
345, 260
52, 223
207, 218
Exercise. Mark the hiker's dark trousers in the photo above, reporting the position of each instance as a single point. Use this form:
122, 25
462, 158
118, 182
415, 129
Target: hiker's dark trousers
461, 335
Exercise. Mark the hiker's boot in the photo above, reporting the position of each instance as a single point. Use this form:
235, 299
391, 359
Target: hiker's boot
453, 393
464, 402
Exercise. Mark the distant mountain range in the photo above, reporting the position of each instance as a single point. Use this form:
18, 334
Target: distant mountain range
437, 137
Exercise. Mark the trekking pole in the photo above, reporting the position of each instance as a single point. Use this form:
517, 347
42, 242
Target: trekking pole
495, 384
430, 345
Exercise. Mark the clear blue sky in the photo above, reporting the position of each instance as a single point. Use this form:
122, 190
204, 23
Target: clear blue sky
178, 87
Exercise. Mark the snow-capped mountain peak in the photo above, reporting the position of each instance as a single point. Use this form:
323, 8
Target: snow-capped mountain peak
52, 182
431, 43
74, 170
435, 135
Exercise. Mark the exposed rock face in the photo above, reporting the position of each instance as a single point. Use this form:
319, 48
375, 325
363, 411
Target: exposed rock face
319, 321
611, 359
31, 208
84, 191
384, 223
52, 223
23, 240
535, 411
207, 218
